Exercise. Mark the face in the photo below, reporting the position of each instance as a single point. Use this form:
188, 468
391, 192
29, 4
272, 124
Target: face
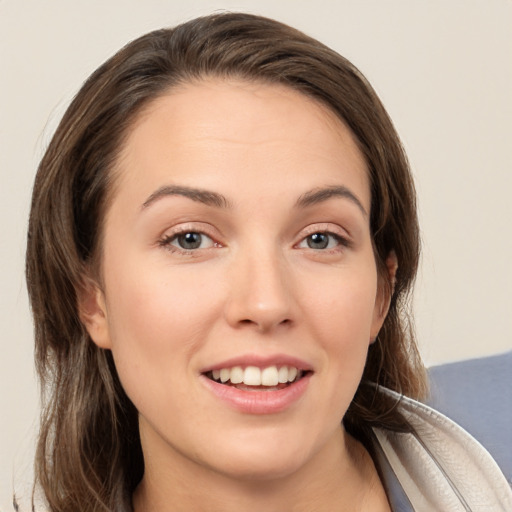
239, 289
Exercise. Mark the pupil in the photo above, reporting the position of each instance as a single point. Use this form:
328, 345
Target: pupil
318, 241
190, 240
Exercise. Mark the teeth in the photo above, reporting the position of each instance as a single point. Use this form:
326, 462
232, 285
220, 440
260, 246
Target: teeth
270, 376
225, 374
282, 375
252, 376
237, 375
292, 373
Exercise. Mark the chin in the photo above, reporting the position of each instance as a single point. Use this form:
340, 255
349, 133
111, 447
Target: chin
261, 459
261, 469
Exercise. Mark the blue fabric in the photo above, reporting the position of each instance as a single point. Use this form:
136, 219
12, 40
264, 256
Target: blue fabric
477, 394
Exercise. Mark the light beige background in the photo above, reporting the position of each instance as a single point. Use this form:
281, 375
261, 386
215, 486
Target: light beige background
443, 69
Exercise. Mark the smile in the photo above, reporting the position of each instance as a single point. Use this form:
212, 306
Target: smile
258, 387
252, 378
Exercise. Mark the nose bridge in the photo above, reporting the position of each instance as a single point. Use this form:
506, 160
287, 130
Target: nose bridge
260, 288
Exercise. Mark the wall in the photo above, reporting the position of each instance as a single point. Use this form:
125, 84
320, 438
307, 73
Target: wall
444, 71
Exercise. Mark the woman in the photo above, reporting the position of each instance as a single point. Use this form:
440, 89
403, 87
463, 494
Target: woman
222, 239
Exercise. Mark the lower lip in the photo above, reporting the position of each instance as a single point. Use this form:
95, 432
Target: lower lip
258, 402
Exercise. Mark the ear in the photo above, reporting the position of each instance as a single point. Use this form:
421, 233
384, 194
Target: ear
384, 295
93, 312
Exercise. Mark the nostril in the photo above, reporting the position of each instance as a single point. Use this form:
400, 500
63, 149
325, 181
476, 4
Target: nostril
263, 324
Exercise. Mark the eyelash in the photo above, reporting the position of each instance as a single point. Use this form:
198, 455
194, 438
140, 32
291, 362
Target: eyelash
167, 242
340, 240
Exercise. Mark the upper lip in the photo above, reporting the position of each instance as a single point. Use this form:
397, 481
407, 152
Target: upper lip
260, 362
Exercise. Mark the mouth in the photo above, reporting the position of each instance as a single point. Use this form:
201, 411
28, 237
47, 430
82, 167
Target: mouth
252, 384
253, 378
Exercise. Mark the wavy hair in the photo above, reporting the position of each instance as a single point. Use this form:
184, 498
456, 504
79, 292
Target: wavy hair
89, 456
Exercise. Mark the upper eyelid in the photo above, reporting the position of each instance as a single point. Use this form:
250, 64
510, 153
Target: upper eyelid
190, 227
173, 236
342, 240
324, 227
216, 235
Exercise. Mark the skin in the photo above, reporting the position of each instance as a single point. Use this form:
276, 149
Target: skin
254, 286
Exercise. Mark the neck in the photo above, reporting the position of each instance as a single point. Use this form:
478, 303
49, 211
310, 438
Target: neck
340, 477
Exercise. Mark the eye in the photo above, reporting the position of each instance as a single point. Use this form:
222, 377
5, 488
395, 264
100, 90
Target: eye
188, 241
321, 240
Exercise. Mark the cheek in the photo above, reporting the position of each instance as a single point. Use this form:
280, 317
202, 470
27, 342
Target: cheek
340, 317
342, 305
147, 300
157, 321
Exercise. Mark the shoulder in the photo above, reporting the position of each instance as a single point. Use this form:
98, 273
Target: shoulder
477, 394
439, 465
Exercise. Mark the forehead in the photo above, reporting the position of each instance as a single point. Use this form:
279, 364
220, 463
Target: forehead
265, 132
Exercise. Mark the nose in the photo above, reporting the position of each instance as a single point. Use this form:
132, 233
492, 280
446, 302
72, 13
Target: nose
260, 292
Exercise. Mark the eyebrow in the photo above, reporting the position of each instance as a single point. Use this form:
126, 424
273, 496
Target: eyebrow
320, 195
196, 194
210, 198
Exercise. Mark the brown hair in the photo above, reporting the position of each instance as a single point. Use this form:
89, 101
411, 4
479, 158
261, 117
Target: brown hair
89, 456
